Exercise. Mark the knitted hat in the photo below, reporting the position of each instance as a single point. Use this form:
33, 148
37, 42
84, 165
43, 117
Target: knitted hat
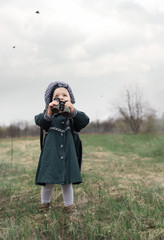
52, 87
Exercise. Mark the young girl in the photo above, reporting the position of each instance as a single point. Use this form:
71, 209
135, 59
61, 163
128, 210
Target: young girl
58, 163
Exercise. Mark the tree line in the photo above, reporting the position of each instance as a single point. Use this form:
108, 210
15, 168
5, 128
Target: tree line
19, 129
134, 116
151, 124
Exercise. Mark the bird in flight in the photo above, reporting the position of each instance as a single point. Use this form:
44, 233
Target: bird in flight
37, 12
14, 46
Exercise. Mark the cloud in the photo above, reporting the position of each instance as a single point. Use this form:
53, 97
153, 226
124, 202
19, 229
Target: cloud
58, 43
96, 46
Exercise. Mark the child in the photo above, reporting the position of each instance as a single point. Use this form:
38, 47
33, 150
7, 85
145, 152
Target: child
58, 163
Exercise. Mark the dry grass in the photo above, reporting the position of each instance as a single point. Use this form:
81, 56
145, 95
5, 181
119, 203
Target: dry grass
121, 196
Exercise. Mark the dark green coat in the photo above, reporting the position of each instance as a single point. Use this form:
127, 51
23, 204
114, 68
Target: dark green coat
58, 161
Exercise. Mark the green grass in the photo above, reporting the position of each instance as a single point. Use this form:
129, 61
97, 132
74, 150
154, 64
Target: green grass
143, 145
121, 196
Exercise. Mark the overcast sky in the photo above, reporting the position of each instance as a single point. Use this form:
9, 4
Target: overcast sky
98, 46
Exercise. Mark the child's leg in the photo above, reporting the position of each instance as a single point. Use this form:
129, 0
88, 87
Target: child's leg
67, 194
46, 192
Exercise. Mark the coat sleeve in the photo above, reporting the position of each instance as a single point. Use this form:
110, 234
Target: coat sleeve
46, 124
80, 120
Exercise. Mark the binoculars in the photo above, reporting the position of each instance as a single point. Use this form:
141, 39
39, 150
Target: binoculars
60, 107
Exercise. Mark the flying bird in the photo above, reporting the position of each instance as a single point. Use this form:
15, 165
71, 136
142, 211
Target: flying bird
14, 46
37, 12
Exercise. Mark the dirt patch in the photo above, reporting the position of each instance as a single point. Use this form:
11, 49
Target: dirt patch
99, 155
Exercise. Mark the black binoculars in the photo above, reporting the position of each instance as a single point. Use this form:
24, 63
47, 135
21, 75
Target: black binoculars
60, 107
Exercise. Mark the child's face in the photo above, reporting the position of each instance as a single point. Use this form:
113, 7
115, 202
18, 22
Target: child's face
62, 94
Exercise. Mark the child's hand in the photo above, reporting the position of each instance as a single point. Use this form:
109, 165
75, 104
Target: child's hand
49, 111
70, 105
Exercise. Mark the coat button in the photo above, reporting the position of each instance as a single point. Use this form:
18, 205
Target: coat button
61, 145
61, 157
62, 134
62, 122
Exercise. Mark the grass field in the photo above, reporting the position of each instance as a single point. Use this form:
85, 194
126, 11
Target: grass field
121, 197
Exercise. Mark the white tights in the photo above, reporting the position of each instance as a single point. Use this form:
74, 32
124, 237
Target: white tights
67, 190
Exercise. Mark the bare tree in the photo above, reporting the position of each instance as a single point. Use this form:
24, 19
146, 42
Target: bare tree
133, 109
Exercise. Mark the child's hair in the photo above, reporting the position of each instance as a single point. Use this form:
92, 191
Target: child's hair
52, 87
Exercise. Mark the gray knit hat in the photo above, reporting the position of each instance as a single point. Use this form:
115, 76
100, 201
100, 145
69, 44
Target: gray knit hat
51, 88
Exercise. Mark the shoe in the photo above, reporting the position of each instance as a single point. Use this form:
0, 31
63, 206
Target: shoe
44, 207
71, 209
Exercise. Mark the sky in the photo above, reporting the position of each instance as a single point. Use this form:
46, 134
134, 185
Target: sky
99, 47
